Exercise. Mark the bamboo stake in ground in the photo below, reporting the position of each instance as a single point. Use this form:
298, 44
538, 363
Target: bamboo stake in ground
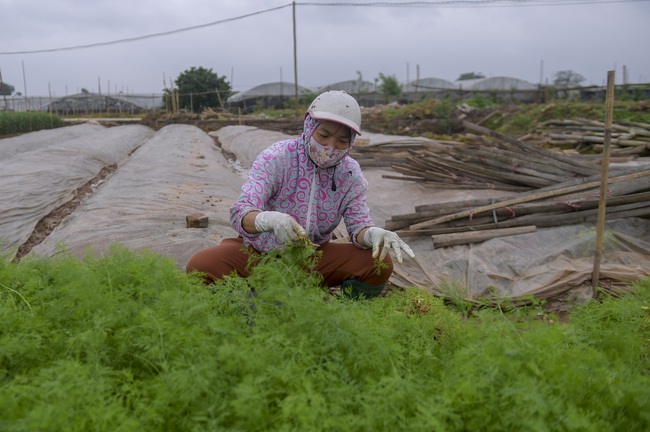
600, 226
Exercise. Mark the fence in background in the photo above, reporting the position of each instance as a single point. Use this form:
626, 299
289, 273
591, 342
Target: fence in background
90, 103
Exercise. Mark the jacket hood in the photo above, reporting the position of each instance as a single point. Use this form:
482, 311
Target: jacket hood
310, 126
308, 131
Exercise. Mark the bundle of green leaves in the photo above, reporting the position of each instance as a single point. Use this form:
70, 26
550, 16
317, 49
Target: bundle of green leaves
129, 342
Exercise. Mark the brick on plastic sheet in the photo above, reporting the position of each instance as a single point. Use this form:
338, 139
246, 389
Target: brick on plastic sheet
196, 220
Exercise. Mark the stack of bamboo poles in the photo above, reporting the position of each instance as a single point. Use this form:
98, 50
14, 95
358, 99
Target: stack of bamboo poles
554, 187
504, 163
587, 136
571, 202
385, 154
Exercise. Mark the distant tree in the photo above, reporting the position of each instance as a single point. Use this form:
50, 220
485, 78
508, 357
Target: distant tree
568, 78
389, 87
201, 88
6, 89
84, 91
469, 76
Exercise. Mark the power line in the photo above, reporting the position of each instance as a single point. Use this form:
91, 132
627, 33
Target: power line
149, 36
472, 3
441, 3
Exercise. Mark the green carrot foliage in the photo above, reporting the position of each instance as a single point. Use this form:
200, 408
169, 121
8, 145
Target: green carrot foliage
129, 342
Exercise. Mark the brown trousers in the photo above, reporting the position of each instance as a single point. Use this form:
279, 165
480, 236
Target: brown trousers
338, 262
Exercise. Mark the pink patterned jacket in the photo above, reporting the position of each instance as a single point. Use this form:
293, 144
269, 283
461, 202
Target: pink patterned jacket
283, 178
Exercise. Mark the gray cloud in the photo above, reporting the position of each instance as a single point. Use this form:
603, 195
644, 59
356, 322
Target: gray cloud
334, 43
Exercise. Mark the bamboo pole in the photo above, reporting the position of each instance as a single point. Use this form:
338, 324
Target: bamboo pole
551, 191
166, 93
49, 90
599, 140
174, 95
295, 59
454, 239
602, 206
543, 220
566, 162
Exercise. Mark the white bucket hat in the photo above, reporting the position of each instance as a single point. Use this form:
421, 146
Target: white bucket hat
339, 107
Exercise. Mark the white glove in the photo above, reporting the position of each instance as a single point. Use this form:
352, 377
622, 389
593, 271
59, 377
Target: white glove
376, 237
285, 227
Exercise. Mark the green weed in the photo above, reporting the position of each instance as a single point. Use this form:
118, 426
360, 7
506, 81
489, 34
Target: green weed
481, 102
378, 265
522, 119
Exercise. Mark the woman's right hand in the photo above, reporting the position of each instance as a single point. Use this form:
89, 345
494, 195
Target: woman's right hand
284, 226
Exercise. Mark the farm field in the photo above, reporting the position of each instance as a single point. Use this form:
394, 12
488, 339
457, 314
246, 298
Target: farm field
103, 330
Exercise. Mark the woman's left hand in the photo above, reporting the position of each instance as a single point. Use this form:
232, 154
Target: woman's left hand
375, 237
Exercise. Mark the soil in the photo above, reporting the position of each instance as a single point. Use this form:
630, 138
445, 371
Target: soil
46, 225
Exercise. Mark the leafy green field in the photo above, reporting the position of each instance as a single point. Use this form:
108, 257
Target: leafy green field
31, 121
128, 342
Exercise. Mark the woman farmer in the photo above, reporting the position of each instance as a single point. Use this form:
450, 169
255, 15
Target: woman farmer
303, 187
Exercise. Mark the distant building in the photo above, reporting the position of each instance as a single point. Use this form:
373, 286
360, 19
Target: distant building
501, 89
89, 103
424, 88
270, 95
364, 92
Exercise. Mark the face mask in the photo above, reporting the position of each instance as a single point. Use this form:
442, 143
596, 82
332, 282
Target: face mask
325, 157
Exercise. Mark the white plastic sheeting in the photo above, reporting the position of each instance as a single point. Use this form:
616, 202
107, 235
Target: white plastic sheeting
547, 263
246, 142
34, 183
180, 170
38, 140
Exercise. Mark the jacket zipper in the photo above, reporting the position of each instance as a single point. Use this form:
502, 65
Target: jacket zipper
312, 193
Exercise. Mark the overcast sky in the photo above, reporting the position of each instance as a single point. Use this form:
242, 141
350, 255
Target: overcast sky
527, 39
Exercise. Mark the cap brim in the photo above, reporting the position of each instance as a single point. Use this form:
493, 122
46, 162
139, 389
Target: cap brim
322, 115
